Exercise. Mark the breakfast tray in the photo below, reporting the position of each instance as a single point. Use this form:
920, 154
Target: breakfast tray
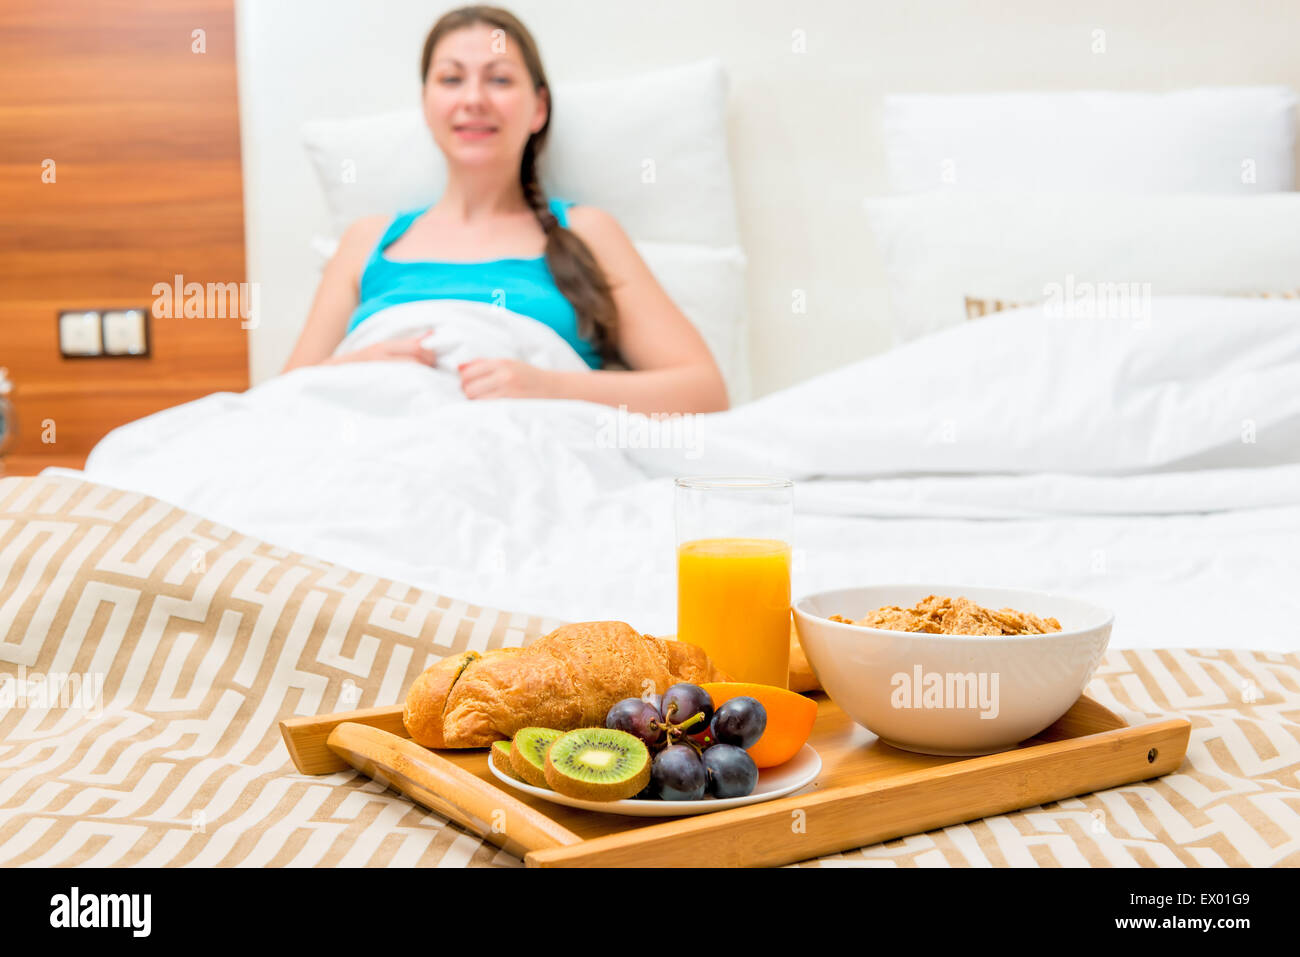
867, 791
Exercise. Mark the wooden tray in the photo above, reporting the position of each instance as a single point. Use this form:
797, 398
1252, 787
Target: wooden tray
867, 792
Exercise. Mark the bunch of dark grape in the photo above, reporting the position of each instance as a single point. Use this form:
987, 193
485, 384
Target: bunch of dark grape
698, 751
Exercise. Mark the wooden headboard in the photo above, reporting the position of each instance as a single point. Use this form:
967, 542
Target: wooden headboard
138, 113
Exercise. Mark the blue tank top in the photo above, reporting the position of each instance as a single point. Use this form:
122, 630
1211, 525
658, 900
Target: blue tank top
525, 286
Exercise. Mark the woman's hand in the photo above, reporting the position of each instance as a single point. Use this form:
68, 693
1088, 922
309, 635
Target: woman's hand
409, 349
505, 379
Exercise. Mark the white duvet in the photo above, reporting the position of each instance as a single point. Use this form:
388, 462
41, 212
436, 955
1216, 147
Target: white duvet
1153, 466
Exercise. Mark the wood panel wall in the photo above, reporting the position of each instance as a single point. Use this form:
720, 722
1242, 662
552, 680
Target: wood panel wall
144, 135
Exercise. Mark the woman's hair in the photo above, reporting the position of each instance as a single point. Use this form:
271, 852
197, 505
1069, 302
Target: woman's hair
577, 274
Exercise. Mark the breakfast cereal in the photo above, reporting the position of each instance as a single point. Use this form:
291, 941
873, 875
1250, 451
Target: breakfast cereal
954, 616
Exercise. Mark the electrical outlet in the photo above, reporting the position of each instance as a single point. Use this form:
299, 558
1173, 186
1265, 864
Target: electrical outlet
104, 332
126, 333
80, 334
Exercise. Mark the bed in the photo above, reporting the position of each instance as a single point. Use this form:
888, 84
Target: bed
249, 557
313, 543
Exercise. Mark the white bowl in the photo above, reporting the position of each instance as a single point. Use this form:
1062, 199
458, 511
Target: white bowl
951, 694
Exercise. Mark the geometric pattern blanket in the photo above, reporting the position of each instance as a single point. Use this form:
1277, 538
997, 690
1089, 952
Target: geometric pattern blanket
147, 656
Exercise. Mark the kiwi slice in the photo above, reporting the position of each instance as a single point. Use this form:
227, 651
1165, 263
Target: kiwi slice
598, 764
528, 754
501, 759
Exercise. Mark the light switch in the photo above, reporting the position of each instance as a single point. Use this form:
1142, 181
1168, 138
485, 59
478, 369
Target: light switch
79, 334
124, 333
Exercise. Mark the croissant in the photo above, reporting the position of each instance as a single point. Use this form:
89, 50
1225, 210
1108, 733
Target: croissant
565, 680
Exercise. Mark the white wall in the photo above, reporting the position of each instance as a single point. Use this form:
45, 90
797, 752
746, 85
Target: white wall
804, 127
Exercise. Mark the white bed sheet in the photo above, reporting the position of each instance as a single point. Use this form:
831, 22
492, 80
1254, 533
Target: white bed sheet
1189, 533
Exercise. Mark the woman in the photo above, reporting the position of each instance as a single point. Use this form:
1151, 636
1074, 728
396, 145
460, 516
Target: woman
487, 102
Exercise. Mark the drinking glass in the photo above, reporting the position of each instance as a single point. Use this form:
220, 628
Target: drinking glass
733, 573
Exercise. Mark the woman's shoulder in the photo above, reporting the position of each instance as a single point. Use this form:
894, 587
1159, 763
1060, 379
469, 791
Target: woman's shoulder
365, 229
614, 250
357, 242
594, 224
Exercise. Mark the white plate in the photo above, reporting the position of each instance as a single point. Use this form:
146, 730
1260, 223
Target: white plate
775, 782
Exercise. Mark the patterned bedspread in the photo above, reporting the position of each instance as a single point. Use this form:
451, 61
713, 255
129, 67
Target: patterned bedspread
147, 656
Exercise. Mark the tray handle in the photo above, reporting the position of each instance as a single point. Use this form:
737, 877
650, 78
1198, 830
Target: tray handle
437, 784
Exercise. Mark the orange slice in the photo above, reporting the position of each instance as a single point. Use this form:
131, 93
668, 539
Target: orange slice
790, 718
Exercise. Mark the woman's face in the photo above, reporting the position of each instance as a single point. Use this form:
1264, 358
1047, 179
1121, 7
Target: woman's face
479, 99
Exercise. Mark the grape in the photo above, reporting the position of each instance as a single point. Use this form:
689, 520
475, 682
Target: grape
740, 721
637, 718
730, 770
687, 699
678, 775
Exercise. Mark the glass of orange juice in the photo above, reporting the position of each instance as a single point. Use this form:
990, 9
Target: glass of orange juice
733, 573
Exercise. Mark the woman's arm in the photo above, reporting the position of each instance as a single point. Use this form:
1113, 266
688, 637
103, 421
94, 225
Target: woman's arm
336, 299
670, 366
684, 388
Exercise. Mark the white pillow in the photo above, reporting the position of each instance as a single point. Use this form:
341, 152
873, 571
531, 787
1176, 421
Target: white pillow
1221, 140
706, 282
939, 248
650, 149
379, 164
